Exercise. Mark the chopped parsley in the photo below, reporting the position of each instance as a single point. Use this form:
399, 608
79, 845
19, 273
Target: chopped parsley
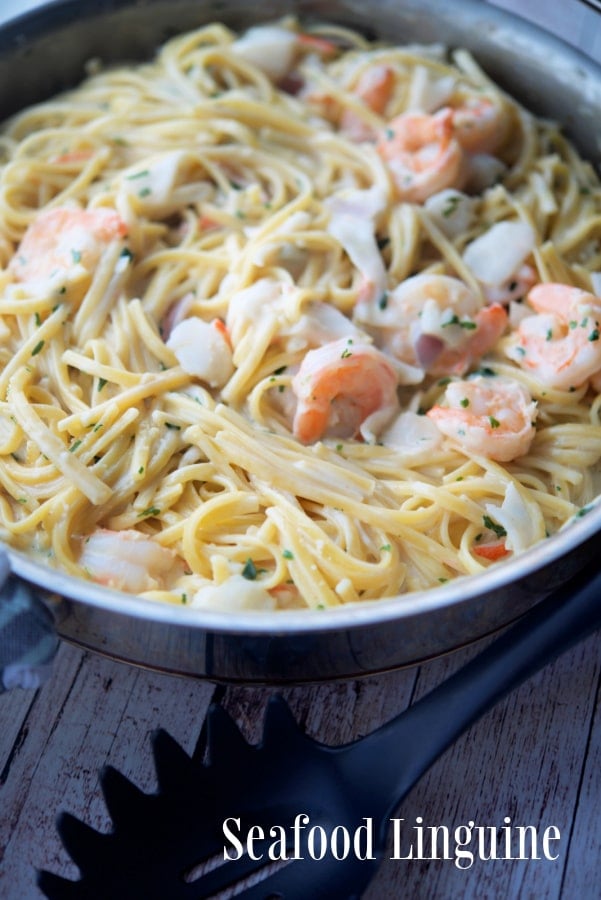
494, 526
288, 554
451, 205
38, 347
250, 570
463, 323
151, 511
454, 320
494, 423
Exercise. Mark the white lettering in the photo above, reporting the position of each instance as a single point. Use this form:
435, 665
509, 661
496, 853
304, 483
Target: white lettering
550, 834
523, 830
464, 859
492, 845
435, 831
338, 853
255, 833
231, 837
300, 823
368, 828
420, 837
323, 842
396, 841
466, 843
507, 835
277, 850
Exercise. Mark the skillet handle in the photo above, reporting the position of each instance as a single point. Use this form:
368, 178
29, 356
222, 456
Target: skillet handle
431, 725
28, 641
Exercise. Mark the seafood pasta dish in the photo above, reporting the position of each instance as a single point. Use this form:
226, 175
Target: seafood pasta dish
292, 319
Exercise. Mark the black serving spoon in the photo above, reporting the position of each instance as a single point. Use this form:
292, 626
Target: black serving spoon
171, 845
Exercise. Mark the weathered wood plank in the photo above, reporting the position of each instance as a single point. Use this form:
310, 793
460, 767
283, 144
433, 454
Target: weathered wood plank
334, 713
522, 760
25, 745
106, 717
584, 860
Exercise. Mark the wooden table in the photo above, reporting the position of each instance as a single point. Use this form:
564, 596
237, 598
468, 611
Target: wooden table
536, 758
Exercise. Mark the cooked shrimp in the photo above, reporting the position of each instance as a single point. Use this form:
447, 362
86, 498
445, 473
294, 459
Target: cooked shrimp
275, 49
128, 561
561, 344
374, 88
60, 242
480, 124
493, 417
513, 288
422, 153
203, 349
353, 224
433, 322
341, 385
294, 327
498, 259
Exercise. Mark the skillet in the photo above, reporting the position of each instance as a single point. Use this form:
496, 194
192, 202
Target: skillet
44, 52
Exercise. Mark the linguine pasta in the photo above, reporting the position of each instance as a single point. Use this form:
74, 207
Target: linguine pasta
262, 322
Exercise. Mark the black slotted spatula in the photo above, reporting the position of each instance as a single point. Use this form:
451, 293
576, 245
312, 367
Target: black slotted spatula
160, 842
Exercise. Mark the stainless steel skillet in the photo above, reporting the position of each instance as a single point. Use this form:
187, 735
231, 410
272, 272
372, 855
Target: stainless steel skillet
46, 51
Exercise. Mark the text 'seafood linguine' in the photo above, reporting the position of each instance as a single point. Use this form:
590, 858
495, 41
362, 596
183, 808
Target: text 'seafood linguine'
290, 319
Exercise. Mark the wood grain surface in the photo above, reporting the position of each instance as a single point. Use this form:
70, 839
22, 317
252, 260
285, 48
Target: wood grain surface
535, 758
